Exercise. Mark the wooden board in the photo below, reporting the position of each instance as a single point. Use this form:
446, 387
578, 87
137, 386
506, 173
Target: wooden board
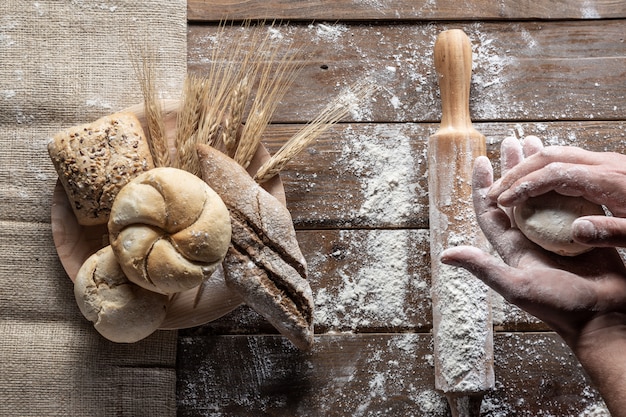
373, 175
333, 10
359, 199
540, 71
369, 375
367, 281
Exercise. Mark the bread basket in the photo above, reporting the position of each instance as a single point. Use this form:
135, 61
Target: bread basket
75, 243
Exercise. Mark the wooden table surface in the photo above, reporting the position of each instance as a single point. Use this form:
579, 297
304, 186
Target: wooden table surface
359, 199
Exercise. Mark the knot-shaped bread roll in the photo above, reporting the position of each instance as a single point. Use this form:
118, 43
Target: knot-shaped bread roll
169, 230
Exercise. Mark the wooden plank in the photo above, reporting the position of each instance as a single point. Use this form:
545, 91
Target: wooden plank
362, 281
374, 175
334, 10
538, 71
367, 281
359, 200
373, 375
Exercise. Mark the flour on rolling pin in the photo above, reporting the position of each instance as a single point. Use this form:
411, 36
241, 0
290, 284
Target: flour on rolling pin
462, 325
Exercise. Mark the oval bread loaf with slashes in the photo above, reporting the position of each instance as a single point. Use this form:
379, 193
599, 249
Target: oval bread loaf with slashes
169, 230
264, 263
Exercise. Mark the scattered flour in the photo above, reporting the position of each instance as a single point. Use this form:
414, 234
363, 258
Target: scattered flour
595, 410
489, 83
275, 33
433, 404
378, 5
328, 32
395, 102
383, 161
376, 293
589, 10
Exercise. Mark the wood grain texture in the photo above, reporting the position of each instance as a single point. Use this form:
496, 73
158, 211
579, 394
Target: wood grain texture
359, 199
368, 375
374, 175
367, 281
540, 71
333, 10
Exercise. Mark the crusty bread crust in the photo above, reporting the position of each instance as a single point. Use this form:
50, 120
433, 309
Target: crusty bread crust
120, 310
264, 263
95, 160
169, 230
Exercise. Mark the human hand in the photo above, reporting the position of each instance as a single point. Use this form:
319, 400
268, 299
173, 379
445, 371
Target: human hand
568, 293
583, 298
599, 177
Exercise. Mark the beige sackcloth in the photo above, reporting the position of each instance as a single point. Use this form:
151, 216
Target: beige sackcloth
62, 63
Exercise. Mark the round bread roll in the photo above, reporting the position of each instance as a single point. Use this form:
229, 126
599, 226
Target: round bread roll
120, 310
547, 221
169, 230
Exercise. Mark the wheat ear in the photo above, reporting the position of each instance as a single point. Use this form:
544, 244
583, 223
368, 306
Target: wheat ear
187, 124
223, 80
142, 58
338, 108
236, 109
274, 82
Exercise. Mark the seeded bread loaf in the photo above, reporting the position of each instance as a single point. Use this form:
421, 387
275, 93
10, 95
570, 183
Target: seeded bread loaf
94, 161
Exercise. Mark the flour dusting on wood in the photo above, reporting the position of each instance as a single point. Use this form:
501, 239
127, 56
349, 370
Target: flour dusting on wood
383, 161
377, 293
328, 32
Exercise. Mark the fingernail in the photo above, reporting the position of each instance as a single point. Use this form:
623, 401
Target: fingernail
450, 262
504, 199
444, 257
584, 230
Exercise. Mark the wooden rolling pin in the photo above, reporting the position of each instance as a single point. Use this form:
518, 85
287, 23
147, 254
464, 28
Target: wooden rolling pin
462, 320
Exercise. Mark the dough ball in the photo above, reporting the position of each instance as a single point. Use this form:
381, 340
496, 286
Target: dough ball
121, 311
547, 221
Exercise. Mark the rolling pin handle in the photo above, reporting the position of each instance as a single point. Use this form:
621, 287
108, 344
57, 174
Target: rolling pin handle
453, 63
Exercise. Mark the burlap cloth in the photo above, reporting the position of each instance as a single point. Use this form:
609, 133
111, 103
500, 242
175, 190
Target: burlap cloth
64, 62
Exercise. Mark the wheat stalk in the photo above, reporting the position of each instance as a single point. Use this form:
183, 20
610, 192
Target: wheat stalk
187, 124
225, 79
338, 108
142, 58
274, 82
236, 110
214, 105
